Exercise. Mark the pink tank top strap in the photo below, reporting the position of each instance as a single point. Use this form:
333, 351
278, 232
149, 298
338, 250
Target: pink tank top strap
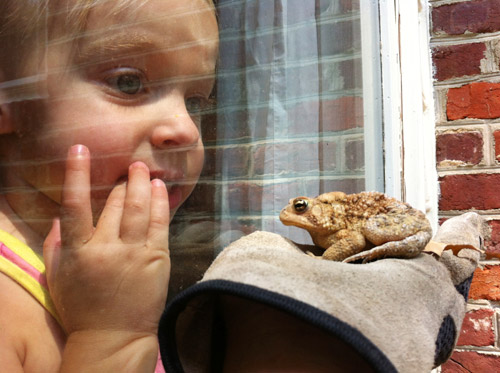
19, 262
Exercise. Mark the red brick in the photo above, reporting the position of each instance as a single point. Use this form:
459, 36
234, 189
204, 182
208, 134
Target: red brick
496, 136
462, 146
343, 185
347, 39
250, 198
278, 195
481, 16
305, 117
327, 158
477, 329
442, 220
202, 200
306, 16
348, 5
233, 50
345, 7
245, 226
340, 114
247, 198
210, 166
235, 161
457, 60
298, 187
351, 72
292, 158
486, 283
209, 127
463, 192
233, 124
493, 243
452, 366
468, 361
244, 198
354, 155
476, 100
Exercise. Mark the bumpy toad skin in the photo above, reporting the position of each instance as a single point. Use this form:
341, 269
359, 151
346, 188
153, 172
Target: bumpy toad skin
360, 227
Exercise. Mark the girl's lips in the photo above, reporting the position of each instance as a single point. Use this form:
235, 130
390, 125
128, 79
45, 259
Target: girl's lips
175, 192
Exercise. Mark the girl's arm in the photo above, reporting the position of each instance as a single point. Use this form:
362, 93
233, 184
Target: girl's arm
109, 283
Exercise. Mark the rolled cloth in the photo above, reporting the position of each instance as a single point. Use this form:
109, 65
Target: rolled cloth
398, 314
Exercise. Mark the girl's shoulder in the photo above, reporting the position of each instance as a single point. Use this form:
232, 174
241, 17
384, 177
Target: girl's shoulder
31, 339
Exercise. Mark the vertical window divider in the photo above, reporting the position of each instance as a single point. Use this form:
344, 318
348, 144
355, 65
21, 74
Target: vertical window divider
408, 105
372, 114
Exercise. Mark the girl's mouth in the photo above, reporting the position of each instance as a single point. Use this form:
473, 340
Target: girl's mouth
175, 191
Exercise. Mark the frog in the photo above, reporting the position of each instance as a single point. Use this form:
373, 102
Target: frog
360, 227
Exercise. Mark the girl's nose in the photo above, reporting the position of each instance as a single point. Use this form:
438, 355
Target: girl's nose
175, 130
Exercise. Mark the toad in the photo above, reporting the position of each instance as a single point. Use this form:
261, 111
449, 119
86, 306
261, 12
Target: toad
360, 227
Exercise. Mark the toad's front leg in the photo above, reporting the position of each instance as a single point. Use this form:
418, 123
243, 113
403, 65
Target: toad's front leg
345, 244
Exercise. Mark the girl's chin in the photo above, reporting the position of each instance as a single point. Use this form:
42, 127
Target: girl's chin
175, 198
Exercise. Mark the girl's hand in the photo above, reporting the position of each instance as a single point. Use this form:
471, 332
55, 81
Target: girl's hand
110, 280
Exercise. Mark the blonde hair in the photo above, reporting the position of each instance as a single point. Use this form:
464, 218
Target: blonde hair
26, 25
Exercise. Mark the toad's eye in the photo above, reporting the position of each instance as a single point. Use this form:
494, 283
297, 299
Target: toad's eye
300, 205
129, 84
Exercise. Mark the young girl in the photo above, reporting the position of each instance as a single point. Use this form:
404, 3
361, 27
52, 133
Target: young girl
99, 142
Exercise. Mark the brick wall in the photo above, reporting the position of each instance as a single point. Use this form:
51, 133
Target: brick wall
465, 40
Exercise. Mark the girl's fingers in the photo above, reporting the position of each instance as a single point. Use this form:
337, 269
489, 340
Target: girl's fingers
76, 213
136, 210
111, 216
160, 214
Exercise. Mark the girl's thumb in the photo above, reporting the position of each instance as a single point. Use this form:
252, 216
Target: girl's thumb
52, 250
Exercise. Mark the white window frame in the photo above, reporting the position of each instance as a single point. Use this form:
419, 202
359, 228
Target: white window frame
372, 93
408, 105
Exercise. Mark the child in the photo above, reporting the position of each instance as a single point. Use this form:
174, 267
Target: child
120, 84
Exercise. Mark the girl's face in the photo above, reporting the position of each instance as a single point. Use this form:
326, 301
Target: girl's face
130, 88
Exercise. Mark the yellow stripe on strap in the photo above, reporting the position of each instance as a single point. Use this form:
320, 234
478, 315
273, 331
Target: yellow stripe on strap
13, 256
23, 250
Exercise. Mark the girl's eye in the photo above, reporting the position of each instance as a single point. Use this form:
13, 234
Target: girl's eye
129, 84
194, 104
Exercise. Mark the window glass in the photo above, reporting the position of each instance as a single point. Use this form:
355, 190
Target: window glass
296, 112
266, 101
